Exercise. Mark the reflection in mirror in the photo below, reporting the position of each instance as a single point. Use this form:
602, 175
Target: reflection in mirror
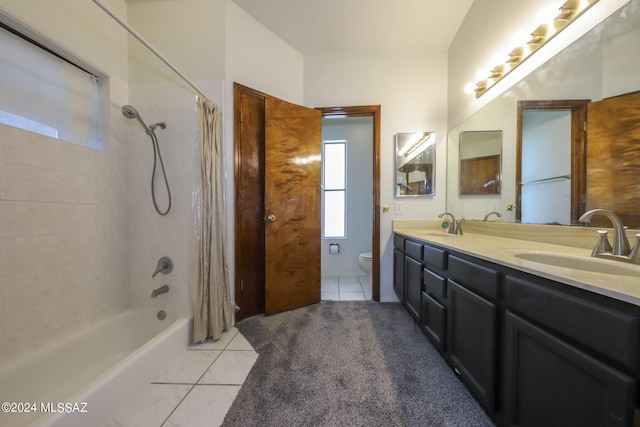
603, 64
480, 162
415, 160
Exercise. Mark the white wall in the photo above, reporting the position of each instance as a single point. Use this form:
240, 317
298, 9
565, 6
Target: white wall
412, 92
256, 58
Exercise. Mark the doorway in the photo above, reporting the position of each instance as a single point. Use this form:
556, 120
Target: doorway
551, 161
251, 219
347, 208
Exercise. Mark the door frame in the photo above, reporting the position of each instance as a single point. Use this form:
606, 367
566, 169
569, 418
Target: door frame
373, 111
578, 108
240, 259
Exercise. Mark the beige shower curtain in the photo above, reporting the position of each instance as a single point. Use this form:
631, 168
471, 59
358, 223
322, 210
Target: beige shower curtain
213, 304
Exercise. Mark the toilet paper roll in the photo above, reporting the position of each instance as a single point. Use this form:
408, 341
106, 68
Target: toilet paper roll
334, 248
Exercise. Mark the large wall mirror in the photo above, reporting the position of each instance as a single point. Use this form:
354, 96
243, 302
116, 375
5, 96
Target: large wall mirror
480, 162
415, 163
602, 65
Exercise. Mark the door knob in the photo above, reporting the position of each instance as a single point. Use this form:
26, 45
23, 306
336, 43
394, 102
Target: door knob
271, 218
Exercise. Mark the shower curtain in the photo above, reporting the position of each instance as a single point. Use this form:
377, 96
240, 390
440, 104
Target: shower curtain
213, 300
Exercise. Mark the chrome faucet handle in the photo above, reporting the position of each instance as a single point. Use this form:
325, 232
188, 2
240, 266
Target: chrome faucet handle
164, 266
603, 244
634, 255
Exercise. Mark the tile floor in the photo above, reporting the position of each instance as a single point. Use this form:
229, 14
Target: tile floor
194, 389
345, 288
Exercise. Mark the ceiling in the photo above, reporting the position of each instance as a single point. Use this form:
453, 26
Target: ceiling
361, 26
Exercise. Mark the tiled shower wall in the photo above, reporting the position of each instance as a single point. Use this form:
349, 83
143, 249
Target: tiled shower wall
64, 254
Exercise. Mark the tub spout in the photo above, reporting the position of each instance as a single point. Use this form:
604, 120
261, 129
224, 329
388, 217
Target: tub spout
161, 290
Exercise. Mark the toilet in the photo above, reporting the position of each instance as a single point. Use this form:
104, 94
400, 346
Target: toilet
364, 259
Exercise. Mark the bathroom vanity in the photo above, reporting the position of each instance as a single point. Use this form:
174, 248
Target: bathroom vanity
535, 343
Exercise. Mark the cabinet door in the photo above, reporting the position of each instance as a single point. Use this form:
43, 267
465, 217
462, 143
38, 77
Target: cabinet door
398, 274
550, 383
434, 321
413, 287
471, 342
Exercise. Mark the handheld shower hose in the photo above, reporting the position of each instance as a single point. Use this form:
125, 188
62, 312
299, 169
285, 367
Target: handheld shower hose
131, 113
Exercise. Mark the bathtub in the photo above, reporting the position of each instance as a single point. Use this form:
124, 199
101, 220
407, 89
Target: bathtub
82, 379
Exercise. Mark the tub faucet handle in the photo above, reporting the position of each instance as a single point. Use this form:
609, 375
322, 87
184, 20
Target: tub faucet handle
165, 266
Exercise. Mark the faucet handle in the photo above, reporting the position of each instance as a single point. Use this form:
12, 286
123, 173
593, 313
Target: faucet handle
603, 244
165, 266
634, 255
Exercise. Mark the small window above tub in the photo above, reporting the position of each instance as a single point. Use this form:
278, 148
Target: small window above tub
48, 93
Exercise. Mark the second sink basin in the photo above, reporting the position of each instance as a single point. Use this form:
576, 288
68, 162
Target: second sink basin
578, 262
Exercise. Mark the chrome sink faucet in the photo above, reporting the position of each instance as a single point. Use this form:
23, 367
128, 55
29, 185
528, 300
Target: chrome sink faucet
486, 217
454, 227
620, 249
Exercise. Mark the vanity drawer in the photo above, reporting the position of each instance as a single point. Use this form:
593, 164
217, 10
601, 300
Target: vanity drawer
398, 242
474, 276
434, 283
434, 257
413, 249
610, 332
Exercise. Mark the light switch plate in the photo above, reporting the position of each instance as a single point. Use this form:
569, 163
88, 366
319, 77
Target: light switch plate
398, 208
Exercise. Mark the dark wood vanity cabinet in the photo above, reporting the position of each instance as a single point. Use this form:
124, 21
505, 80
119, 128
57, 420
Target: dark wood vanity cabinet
569, 360
534, 352
398, 267
472, 327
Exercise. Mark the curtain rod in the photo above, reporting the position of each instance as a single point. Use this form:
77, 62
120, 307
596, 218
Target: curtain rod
148, 45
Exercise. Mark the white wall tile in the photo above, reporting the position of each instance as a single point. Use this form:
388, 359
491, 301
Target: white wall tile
17, 254
17, 146
18, 182
18, 218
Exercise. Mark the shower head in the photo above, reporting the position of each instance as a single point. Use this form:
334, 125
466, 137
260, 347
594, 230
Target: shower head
131, 113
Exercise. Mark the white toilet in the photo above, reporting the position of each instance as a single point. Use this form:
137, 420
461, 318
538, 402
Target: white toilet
364, 259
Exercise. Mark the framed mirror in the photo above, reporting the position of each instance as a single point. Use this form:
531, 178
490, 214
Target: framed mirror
415, 164
480, 162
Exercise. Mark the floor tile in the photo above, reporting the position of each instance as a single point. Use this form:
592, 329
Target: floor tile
352, 296
349, 280
220, 344
232, 368
205, 405
187, 367
150, 407
330, 295
351, 288
239, 343
329, 280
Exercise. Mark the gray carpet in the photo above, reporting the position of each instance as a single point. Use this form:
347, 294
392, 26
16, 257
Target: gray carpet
348, 364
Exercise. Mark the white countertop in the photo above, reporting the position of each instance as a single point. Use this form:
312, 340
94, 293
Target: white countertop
501, 242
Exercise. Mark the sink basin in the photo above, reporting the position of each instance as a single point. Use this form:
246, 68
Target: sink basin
579, 262
435, 233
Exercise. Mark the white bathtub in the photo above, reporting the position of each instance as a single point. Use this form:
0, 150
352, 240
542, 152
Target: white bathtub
92, 372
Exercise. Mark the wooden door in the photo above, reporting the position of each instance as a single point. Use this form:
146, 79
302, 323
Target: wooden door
293, 165
613, 156
249, 199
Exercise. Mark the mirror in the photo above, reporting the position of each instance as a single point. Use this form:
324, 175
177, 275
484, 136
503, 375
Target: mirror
415, 163
480, 162
604, 63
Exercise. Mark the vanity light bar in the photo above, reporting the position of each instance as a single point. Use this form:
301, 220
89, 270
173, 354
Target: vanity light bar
567, 13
